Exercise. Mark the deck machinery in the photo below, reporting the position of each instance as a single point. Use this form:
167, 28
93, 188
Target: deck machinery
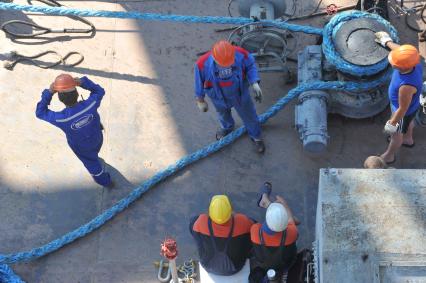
354, 41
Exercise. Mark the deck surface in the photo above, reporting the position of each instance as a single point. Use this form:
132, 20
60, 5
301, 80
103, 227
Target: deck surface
150, 121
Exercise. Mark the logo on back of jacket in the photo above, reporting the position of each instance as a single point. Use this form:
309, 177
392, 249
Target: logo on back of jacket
82, 122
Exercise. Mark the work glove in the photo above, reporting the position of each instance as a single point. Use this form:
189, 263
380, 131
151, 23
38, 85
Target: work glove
257, 92
423, 100
203, 106
77, 81
383, 37
52, 88
390, 129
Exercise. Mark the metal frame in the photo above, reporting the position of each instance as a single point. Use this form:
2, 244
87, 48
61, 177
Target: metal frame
398, 263
400, 10
250, 31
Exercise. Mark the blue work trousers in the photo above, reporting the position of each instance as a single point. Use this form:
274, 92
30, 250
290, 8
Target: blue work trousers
89, 157
247, 112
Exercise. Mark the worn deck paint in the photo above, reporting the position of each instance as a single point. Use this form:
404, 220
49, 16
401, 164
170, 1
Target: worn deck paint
151, 121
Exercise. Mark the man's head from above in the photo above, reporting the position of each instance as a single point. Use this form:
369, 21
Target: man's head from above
404, 58
68, 98
65, 85
220, 209
375, 162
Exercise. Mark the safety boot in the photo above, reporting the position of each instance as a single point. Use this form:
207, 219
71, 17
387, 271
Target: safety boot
221, 133
260, 145
111, 185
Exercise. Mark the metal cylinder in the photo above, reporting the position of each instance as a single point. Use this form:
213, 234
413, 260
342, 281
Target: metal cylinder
311, 121
262, 11
311, 111
244, 6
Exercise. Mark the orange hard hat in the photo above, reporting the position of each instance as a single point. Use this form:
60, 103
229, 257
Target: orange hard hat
223, 53
405, 57
64, 83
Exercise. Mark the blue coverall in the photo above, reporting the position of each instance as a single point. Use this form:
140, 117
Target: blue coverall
82, 127
231, 90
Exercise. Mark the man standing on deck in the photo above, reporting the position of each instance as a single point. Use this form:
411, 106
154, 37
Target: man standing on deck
79, 121
224, 74
404, 94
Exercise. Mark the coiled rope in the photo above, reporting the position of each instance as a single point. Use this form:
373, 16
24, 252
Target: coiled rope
6, 274
40, 30
16, 58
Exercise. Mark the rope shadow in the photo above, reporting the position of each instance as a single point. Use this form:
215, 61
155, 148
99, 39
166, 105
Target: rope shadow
87, 71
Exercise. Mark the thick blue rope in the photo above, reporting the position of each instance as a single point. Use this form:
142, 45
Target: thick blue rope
180, 164
334, 57
154, 17
7, 275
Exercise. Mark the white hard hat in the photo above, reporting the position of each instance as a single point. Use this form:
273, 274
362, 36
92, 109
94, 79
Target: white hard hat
276, 217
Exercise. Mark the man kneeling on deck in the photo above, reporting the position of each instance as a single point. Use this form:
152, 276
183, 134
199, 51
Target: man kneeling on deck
274, 242
223, 238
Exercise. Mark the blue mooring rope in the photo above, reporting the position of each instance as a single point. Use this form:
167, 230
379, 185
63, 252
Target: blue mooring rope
331, 54
6, 273
154, 17
8, 276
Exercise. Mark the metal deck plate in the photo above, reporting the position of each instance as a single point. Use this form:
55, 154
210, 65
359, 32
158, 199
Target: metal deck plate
355, 42
370, 226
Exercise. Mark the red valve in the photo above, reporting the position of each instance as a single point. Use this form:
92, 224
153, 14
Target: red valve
169, 249
332, 9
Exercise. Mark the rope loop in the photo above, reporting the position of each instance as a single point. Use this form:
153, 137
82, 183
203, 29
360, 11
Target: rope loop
336, 59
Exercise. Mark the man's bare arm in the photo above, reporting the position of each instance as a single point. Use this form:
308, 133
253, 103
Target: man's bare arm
285, 204
405, 96
392, 45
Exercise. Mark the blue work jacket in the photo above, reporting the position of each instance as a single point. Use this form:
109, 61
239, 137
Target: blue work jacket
225, 93
81, 122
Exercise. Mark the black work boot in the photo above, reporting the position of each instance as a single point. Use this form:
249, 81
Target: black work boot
221, 133
260, 145
110, 185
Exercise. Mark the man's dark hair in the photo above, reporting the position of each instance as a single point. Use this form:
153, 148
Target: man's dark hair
68, 98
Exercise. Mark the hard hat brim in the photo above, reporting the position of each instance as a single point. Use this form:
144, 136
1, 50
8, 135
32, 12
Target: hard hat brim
225, 64
62, 89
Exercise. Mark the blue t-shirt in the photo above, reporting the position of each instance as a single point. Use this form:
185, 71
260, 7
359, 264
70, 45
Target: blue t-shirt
413, 78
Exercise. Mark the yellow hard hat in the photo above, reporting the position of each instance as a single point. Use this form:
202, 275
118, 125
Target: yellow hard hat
220, 209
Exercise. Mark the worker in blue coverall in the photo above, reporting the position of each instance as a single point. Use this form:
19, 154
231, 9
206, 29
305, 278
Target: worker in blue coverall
79, 121
225, 74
